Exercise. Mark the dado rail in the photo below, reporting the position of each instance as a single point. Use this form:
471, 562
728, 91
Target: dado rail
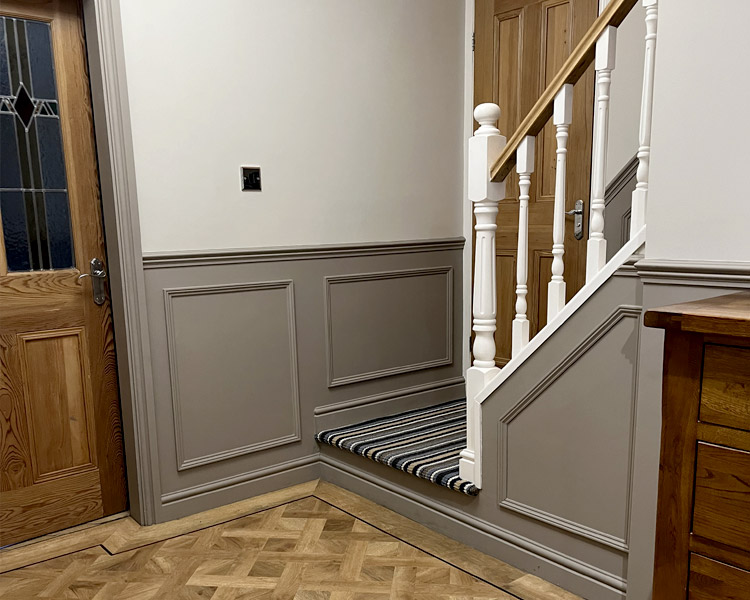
491, 159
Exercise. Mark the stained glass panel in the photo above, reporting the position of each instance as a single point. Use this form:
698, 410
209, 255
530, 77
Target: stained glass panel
34, 207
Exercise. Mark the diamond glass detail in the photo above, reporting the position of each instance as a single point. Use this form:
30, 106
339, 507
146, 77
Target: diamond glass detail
24, 106
34, 207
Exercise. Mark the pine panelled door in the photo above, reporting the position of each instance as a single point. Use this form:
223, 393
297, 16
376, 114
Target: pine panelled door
520, 47
61, 458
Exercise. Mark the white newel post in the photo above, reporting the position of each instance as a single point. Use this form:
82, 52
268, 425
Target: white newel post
562, 118
484, 147
524, 167
604, 63
640, 194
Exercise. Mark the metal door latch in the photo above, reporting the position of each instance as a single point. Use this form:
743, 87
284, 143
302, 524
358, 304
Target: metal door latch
98, 275
578, 222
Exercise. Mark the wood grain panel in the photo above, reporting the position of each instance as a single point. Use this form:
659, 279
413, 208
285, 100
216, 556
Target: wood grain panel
50, 297
506, 286
681, 396
713, 580
724, 436
557, 24
506, 84
56, 400
542, 272
703, 513
725, 394
723, 315
722, 495
721, 552
15, 454
49, 506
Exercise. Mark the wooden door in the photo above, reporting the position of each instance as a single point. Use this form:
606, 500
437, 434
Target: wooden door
520, 46
61, 453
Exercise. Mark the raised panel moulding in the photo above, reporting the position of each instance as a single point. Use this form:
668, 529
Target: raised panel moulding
617, 543
67, 445
170, 294
693, 272
331, 282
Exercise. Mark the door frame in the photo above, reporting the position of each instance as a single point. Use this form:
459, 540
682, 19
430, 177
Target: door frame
114, 148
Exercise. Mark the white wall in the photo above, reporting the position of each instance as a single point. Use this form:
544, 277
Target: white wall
353, 109
698, 206
625, 93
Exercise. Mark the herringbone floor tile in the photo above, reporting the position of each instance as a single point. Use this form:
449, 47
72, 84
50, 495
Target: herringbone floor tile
303, 550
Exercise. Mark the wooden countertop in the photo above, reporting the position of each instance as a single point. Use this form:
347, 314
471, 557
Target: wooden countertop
722, 315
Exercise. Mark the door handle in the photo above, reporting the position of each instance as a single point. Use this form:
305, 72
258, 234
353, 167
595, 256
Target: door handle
98, 275
577, 212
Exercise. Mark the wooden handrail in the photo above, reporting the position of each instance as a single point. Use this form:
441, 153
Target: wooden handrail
575, 66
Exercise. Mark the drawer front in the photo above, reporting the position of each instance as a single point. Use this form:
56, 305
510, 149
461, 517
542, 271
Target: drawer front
721, 511
713, 580
725, 391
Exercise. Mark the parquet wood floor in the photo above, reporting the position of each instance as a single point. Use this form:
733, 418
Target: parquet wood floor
303, 549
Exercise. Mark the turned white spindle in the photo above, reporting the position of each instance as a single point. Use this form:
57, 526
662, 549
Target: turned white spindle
524, 167
640, 194
484, 147
562, 118
604, 63
485, 195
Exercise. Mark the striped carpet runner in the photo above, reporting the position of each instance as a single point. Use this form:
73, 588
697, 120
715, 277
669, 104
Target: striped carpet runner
425, 442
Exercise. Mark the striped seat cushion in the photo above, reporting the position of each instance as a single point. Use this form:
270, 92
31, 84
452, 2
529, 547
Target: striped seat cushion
425, 442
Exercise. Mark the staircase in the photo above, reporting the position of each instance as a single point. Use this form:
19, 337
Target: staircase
491, 159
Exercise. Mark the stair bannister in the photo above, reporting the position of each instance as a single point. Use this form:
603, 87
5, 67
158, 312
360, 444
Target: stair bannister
640, 194
484, 147
596, 250
491, 159
525, 167
562, 118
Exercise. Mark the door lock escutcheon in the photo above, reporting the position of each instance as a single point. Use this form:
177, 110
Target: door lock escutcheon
577, 212
98, 275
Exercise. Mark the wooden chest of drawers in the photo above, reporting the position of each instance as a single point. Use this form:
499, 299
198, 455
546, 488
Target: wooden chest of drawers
703, 518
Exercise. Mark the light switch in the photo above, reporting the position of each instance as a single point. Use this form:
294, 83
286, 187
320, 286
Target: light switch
250, 179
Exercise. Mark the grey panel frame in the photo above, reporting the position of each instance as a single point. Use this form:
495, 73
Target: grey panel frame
617, 543
184, 463
330, 281
164, 260
194, 489
104, 47
375, 398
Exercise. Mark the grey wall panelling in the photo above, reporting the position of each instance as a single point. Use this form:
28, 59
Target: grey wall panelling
250, 348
